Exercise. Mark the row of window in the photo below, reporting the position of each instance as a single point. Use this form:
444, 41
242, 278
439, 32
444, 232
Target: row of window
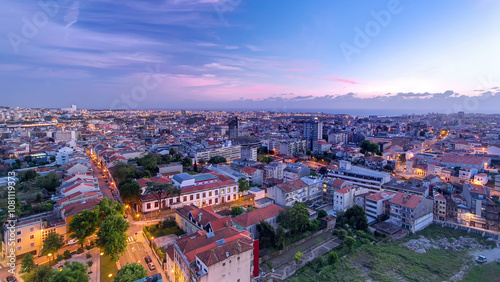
19, 232
216, 201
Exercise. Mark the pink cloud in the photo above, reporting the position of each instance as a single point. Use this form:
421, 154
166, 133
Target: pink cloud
342, 80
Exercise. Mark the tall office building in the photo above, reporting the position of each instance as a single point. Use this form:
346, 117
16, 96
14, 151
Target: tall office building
234, 127
313, 131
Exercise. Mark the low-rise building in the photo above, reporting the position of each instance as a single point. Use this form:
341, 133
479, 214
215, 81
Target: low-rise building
412, 212
294, 171
378, 204
360, 176
286, 194
249, 221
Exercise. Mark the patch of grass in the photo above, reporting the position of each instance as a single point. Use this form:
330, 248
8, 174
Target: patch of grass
488, 272
107, 267
162, 229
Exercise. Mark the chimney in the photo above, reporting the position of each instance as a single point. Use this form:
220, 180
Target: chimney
227, 223
239, 248
199, 216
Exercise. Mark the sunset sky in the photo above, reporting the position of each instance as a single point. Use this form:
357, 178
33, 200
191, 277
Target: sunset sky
418, 56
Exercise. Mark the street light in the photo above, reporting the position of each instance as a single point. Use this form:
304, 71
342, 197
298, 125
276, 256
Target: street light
110, 275
151, 242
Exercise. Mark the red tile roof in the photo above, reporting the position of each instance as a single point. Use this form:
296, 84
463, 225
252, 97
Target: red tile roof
292, 186
249, 170
409, 201
256, 216
209, 186
79, 207
379, 196
143, 182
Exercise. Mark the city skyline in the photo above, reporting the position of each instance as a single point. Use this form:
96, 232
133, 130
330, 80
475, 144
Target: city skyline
380, 57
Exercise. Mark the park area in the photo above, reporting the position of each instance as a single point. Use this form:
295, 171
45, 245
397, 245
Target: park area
434, 254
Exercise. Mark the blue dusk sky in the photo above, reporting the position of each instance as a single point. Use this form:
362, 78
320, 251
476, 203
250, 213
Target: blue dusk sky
338, 56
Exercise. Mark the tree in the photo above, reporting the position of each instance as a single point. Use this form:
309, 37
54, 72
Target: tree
130, 191
108, 207
195, 167
187, 162
202, 161
280, 238
39, 274
322, 213
50, 182
27, 263
235, 211
38, 197
52, 244
341, 234
28, 175
323, 170
217, 160
355, 217
369, 147
162, 191
83, 225
333, 257
131, 272
298, 256
74, 272
243, 185
349, 242
295, 218
267, 234
111, 237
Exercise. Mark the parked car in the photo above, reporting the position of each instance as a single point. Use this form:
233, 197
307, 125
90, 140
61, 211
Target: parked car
148, 259
150, 263
481, 259
151, 266
11, 279
72, 241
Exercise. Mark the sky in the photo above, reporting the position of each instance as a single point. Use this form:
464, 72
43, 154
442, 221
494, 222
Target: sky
370, 57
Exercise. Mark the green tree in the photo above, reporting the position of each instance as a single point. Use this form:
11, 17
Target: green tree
322, 213
39, 274
295, 218
280, 238
28, 175
217, 160
27, 263
111, 237
369, 147
52, 244
341, 234
131, 272
195, 167
38, 197
355, 217
323, 170
333, 257
235, 211
298, 256
349, 242
108, 207
130, 191
50, 182
187, 162
243, 185
267, 234
74, 272
83, 225
161, 191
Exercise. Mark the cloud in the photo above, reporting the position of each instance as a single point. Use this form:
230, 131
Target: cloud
71, 16
221, 67
254, 48
336, 79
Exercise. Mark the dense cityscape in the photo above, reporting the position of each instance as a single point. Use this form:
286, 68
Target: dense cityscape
236, 196
249, 141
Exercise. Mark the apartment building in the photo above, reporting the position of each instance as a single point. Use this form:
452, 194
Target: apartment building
274, 170
294, 171
412, 212
31, 232
378, 204
286, 194
440, 211
476, 197
344, 198
363, 177
223, 255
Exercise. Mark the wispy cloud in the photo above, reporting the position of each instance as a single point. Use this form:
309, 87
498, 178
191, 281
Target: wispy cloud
222, 67
71, 16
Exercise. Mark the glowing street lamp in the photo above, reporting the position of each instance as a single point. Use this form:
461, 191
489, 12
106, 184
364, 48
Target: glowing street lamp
110, 275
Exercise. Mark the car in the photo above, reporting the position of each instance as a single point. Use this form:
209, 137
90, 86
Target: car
481, 259
90, 272
60, 268
11, 279
151, 266
72, 241
148, 259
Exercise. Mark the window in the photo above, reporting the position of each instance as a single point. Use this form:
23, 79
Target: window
222, 191
148, 206
229, 198
216, 201
210, 194
32, 229
216, 192
18, 232
32, 237
32, 245
234, 197
19, 248
185, 198
224, 264
178, 199
19, 240
229, 190
204, 195
191, 197
234, 189
171, 201
197, 196
156, 204
210, 201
